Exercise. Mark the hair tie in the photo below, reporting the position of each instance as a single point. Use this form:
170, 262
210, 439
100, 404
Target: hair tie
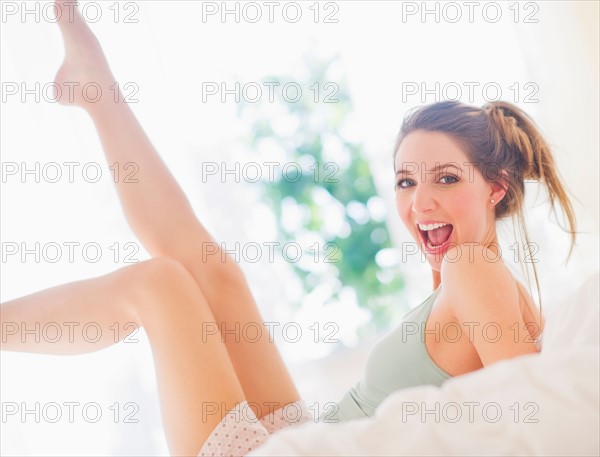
498, 111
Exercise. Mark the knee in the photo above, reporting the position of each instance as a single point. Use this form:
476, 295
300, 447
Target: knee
153, 281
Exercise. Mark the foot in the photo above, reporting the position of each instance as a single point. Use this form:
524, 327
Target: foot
84, 66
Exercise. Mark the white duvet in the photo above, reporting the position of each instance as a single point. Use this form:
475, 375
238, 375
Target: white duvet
538, 404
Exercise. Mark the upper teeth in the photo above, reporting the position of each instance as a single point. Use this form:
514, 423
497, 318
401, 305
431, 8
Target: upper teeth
431, 226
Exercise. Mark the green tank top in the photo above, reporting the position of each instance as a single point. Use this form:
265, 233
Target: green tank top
397, 361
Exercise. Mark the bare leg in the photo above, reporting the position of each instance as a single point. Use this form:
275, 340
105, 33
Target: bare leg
193, 369
162, 219
52, 321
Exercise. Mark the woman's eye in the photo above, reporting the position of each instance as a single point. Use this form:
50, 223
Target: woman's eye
451, 177
405, 183
400, 182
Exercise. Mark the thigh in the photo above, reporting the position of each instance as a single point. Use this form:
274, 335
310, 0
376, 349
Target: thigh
261, 371
195, 377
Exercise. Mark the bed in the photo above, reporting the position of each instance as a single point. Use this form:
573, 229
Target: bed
537, 404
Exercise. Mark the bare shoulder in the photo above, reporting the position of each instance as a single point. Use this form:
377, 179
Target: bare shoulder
472, 273
473, 261
477, 268
482, 294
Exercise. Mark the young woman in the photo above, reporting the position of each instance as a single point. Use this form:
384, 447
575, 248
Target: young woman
482, 157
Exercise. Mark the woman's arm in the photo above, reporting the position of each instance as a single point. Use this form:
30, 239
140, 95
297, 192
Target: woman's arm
485, 300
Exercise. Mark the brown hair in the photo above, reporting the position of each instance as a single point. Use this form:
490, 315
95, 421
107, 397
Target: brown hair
498, 136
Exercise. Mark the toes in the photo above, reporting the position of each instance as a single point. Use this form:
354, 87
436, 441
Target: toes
75, 30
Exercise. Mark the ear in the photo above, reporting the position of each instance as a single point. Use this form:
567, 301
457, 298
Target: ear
498, 190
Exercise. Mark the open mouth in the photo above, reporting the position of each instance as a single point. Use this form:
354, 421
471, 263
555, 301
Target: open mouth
436, 238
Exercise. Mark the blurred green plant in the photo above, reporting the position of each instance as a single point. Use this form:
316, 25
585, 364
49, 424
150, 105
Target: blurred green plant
333, 200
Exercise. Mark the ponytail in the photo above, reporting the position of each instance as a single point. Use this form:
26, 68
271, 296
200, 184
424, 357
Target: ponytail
516, 132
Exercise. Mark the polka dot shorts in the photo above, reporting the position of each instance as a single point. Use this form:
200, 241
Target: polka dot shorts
239, 432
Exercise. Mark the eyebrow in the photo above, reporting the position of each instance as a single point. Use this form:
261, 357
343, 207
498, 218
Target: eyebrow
437, 167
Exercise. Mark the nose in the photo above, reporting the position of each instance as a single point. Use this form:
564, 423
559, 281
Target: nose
423, 200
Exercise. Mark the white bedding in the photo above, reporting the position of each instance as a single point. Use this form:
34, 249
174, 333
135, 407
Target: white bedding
538, 404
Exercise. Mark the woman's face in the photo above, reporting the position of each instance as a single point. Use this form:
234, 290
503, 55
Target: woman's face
454, 193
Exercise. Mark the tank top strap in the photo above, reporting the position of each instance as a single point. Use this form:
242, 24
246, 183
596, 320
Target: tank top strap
421, 313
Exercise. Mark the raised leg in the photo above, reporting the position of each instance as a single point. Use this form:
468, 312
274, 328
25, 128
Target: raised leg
162, 219
196, 380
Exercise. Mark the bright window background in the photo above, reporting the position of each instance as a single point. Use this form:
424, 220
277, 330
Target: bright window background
169, 53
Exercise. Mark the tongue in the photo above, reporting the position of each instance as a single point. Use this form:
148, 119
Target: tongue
440, 235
